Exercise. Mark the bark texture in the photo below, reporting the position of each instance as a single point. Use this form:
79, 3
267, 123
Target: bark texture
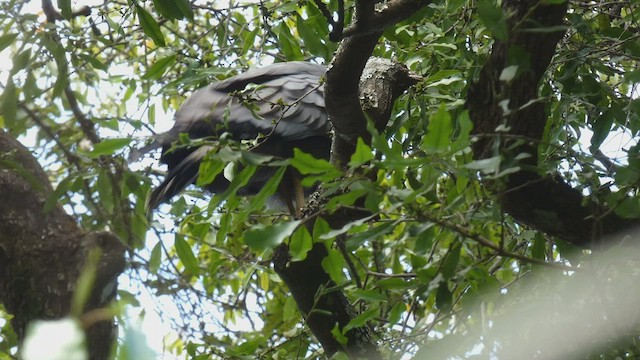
323, 304
43, 252
349, 95
546, 203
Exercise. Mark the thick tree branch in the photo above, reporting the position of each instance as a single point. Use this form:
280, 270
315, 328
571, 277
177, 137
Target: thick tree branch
348, 97
43, 251
390, 13
543, 202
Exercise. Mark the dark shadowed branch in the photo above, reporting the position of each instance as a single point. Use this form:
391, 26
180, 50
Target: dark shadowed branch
531, 198
345, 86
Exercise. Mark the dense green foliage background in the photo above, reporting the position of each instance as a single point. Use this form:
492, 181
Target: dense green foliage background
90, 88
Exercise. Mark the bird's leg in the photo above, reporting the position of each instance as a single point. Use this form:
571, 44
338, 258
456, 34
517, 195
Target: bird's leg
298, 191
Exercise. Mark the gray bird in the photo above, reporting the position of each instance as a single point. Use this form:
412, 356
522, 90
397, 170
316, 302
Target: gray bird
284, 102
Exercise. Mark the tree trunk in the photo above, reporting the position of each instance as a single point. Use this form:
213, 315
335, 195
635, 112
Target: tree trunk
43, 252
544, 202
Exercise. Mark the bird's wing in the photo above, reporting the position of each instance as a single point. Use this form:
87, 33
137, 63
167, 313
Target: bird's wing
285, 100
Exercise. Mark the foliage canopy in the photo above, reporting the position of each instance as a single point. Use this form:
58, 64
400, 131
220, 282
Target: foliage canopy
440, 248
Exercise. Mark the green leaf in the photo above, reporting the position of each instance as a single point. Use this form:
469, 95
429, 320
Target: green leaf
438, 137
538, 250
268, 237
288, 44
307, 164
487, 166
290, 309
9, 104
362, 319
337, 334
61, 189
312, 41
159, 68
267, 190
396, 312
209, 169
493, 18
601, 129
333, 264
451, 261
370, 295
333, 233
185, 8
94, 62
155, 258
108, 147
629, 208
21, 60
374, 233
443, 297
393, 284
59, 55
86, 282
150, 26
186, 256
238, 181
105, 190
300, 244
464, 127
65, 8
168, 9
320, 228
362, 154
627, 175
6, 40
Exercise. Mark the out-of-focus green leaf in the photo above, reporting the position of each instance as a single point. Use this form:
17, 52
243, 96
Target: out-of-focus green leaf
538, 250
209, 169
361, 319
155, 258
21, 60
300, 244
65, 8
370, 295
443, 296
108, 147
159, 68
267, 190
168, 9
362, 154
493, 18
9, 104
601, 129
6, 40
186, 256
451, 261
134, 346
288, 44
312, 42
438, 137
393, 284
307, 164
238, 181
150, 26
333, 264
269, 236
185, 8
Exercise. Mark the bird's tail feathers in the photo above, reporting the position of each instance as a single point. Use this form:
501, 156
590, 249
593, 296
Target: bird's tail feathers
178, 178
